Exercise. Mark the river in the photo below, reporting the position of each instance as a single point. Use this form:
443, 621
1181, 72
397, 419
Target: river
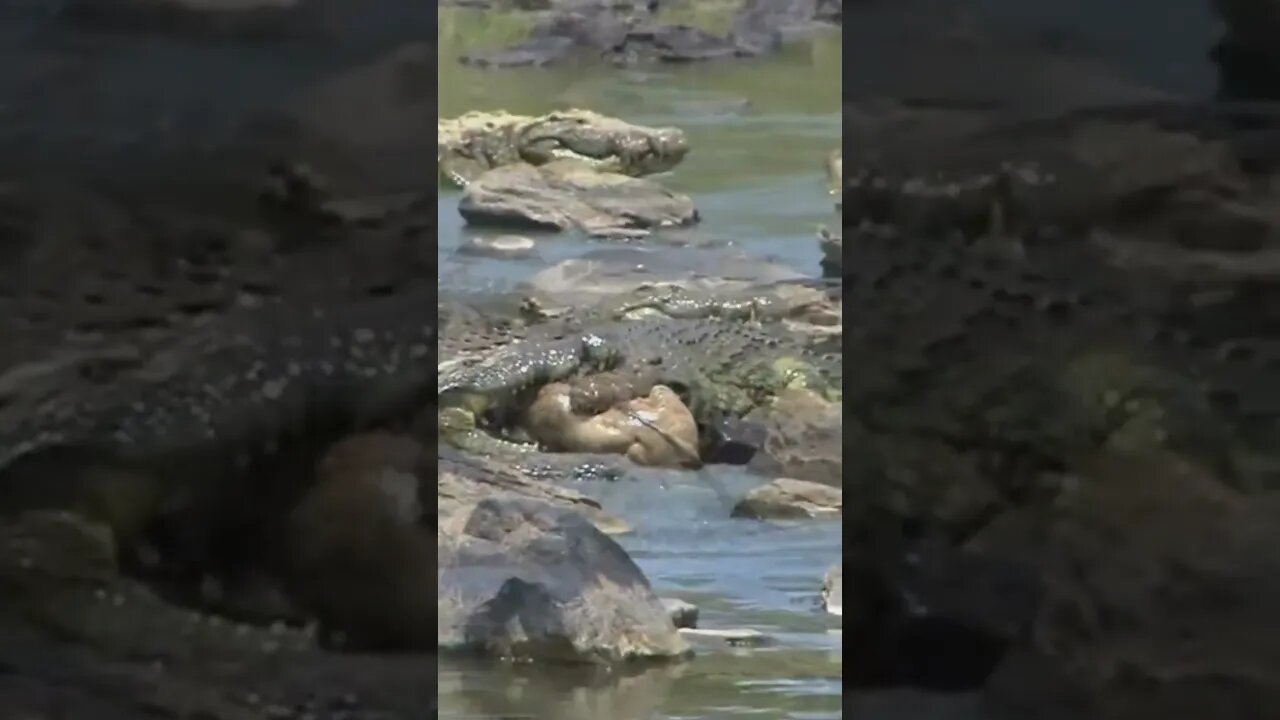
760, 132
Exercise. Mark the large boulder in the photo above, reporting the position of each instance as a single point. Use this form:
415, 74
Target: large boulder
524, 579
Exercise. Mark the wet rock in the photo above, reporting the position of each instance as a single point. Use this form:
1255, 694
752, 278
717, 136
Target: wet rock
803, 438
786, 498
571, 196
502, 247
832, 245
526, 580
683, 614
833, 590
466, 481
655, 430
359, 554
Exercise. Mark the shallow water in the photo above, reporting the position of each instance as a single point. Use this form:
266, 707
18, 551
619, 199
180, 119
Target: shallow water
740, 573
760, 133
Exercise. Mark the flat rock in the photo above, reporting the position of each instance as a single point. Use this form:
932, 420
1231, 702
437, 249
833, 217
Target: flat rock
465, 481
613, 271
571, 196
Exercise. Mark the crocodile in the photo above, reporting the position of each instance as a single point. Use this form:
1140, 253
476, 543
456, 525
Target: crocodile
472, 143
722, 368
191, 424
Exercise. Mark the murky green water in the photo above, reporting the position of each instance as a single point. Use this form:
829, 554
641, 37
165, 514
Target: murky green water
760, 132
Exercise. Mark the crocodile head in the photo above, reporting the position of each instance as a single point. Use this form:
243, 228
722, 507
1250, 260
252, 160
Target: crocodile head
606, 143
489, 377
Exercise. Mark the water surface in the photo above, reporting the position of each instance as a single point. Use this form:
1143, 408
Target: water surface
760, 132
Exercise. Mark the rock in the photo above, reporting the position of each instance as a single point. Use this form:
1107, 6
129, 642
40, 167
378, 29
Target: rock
611, 272
786, 498
833, 590
1160, 589
683, 614
359, 556
832, 246
502, 247
526, 580
462, 482
624, 35
565, 195
803, 438
655, 430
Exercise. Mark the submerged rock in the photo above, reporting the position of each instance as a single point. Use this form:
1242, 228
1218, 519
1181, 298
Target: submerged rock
526, 580
786, 498
502, 247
